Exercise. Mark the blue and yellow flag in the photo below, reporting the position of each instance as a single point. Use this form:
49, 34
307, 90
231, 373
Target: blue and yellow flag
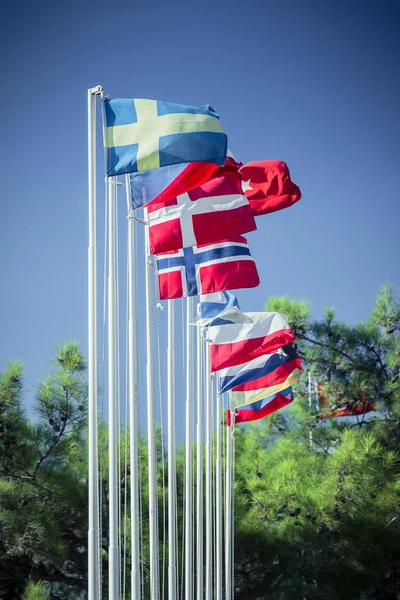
147, 134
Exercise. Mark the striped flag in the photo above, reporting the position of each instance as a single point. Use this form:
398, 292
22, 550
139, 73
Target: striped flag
261, 408
221, 308
206, 269
158, 185
252, 391
140, 135
239, 343
255, 369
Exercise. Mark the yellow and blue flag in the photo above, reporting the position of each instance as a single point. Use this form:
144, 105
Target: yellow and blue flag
140, 135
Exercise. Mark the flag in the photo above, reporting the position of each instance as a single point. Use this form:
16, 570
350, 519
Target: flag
283, 377
147, 134
214, 211
342, 407
261, 408
239, 343
206, 269
158, 185
268, 186
255, 369
221, 308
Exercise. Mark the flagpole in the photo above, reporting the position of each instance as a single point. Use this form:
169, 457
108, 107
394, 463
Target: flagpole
151, 427
199, 464
310, 407
133, 399
93, 479
189, 452
228, 509
208, 481
172, 592
218, 498
113, 553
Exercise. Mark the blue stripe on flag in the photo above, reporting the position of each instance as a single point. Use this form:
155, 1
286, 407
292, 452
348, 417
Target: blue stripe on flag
201, 146
274, 362
201, 257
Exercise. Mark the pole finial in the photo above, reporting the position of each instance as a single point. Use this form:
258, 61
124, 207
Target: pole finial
96, 90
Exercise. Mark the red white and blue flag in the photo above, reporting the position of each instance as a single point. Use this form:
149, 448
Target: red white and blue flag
206, 269
241, 342
255, 369
215, 211
261, 408
158, 185
252, 391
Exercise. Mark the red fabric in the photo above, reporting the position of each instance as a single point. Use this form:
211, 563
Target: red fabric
244, 414
202, 216
342, 408
277, 376
236, 353
272, 188
233, 275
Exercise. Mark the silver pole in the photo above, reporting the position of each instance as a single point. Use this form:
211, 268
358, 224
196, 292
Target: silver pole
172, 595
151, 429
113, 553
199, 465
228, 510
93, 479
310, 407
208, 481
133, 401
189, 453
218, 498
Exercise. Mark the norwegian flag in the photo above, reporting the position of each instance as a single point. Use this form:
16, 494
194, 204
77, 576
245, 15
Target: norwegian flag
225, 265
215, 211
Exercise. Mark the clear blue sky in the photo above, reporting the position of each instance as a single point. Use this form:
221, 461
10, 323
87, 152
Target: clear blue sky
314, 83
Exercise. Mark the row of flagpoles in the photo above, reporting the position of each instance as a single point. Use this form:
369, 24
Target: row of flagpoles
243, 353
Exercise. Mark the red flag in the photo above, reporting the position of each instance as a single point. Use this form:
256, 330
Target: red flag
268, 187
342, 407
214, 211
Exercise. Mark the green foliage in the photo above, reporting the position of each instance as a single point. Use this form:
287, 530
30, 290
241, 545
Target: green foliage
317, 501
322, 519
36, 591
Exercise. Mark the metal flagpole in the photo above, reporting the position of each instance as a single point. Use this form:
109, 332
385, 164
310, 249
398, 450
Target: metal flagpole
310, 406
189, 452
172, 592
133, 399
93, 483
208, 481
228, 510
113, 553
199, 465
151, 428
218, 497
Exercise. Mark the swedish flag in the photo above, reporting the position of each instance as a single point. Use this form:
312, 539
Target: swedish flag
147, 134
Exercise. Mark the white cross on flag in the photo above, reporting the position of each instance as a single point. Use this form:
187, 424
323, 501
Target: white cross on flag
215, 211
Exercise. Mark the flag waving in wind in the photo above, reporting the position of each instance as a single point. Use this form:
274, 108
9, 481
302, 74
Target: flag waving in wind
268, 186
255, 369
148, 134
158, 185
239, 343
225, 265
221, 308
214, 211
261, 408
272, 383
